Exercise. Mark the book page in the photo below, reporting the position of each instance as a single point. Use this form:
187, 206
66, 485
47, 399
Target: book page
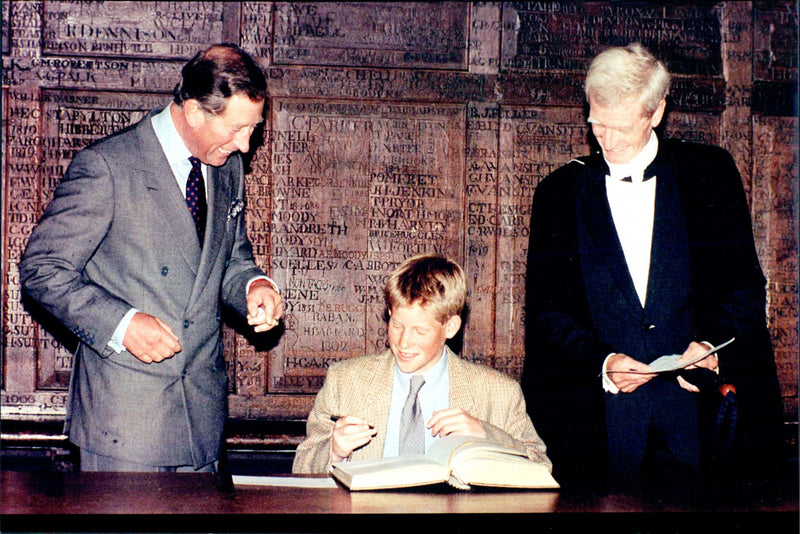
501, 470
445, 449
392, 472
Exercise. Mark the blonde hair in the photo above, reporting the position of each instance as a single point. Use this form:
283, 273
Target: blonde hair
430, 280
620, 74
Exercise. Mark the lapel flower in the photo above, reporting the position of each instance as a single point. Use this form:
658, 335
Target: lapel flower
236, 208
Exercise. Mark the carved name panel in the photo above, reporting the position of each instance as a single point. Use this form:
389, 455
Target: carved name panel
775, 223
357, 188
688, 35
561, 38
130, 29
395, 34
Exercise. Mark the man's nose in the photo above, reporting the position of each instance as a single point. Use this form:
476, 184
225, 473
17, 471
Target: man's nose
610, 139
405, 339
242, 141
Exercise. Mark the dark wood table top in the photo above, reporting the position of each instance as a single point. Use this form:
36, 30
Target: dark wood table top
198, 502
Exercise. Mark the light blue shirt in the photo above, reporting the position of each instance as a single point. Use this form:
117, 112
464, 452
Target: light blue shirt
433, 396
174, 148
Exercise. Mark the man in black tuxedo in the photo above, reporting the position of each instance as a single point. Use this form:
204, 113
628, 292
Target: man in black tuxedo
644, 248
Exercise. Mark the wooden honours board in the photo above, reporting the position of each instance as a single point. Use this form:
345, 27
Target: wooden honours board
391, 129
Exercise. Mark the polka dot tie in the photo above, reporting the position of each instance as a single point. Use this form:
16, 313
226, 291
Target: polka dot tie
196, 198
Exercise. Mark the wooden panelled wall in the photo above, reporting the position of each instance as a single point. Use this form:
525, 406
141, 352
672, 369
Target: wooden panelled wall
392, 129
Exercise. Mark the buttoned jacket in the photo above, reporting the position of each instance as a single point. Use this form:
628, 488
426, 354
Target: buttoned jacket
118, 235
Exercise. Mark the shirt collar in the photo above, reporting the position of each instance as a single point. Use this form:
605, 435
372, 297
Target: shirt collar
636, 167
432, 376
171, 142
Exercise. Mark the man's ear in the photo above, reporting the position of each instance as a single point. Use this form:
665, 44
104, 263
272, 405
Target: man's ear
659, 113
195, 115
451, 326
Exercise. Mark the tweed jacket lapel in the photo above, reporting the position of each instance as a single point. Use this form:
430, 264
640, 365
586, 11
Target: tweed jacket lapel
369, 395
373, 394
377, 396
460, 391
158, 179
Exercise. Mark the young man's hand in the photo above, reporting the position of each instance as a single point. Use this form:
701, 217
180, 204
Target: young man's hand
349, 433
455, 421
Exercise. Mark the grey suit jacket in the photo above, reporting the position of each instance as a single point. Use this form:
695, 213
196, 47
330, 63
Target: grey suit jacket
363, 387
117, 235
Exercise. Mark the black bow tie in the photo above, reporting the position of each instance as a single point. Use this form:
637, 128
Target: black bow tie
628, 179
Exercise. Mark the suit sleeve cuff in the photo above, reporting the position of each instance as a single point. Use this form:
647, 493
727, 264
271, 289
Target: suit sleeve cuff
715, 355
267, 278
608, 384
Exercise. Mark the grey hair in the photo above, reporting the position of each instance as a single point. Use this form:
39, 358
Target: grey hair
623, 73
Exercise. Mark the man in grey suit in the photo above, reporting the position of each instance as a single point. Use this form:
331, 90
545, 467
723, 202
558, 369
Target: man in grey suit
142, 244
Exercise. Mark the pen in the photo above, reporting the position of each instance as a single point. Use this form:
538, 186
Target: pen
335, 418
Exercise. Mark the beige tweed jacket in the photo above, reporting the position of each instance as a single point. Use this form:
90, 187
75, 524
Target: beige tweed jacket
363, 386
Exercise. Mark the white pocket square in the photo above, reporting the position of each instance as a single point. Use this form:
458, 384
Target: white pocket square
236, 208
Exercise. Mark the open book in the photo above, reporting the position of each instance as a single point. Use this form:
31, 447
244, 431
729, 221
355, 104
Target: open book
461, 461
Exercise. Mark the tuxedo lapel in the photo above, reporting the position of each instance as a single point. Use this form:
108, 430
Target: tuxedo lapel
601, 243
166, 195
669, 264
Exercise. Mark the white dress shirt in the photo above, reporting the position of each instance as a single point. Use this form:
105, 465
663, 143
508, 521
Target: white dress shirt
632, 206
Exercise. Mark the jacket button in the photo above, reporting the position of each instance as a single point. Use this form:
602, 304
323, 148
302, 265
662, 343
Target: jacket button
164, 271
186, 323
646, 327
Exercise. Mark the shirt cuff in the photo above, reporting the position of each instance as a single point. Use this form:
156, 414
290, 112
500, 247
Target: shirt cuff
608, 385
267, 278
119, 333
715, 356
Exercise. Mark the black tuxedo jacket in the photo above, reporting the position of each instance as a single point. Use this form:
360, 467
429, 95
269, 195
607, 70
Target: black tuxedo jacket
705, 284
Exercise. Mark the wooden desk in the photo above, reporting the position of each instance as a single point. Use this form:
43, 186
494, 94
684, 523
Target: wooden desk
193, 502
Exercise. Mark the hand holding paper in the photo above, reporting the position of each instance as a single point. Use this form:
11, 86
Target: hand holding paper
672, 362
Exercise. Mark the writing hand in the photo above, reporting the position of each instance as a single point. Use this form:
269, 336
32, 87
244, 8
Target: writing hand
150, 339
349, 433
455, 421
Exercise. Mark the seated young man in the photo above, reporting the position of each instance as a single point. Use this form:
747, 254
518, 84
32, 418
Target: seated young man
359, 412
